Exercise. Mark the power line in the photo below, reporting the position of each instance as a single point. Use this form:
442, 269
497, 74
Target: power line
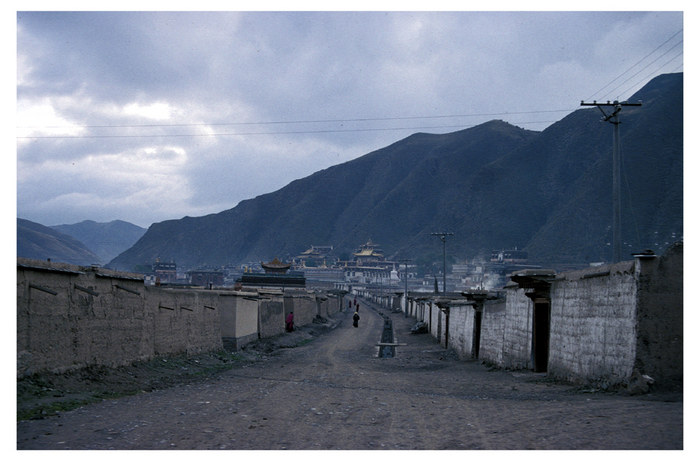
614, 118
636, 63
653, 72
253, 133
280, 122
640, 70
348, 120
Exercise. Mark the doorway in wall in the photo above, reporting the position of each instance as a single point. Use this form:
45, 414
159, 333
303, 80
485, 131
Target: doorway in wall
476, 336
540, 334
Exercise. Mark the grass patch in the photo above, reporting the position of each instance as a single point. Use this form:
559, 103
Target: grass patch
46, 394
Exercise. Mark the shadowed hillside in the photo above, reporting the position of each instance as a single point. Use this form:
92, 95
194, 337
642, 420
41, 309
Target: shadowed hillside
106, 240
494, 185
40, 242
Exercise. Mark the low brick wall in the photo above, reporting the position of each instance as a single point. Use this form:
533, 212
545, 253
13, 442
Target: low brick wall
517, 330
70, 317
461, 324
239, 318
185, 320
592, 332
659, 346
303, 304
605, 325
493, 323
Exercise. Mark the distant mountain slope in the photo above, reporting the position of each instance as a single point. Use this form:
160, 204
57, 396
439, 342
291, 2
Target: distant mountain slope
106, 240
40, 242
578, 225
495, 186
339, 205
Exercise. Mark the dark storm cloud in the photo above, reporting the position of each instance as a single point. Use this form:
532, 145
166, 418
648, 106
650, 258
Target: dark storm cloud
155, 116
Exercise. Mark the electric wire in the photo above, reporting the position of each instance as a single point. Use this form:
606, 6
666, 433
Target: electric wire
647, 76
348, 120
280, 122
254, 133
645, 67
635, 64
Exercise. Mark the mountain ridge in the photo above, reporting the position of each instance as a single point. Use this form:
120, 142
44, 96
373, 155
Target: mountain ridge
495, 186
36, 241
107, 240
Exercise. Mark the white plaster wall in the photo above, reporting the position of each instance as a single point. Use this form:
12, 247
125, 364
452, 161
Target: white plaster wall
436, 323
517, 337
492, 331
593, 328
461, 330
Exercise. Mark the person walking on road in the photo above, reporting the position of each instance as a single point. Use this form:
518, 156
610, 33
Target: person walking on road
355, 319
289, 322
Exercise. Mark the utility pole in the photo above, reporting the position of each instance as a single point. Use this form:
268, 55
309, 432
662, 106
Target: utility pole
614, 118
443, 237
405, 290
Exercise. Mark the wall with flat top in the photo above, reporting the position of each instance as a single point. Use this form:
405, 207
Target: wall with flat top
70, 317
461, 329
517, 329
610, 325
593, 330
659, 346
493, 323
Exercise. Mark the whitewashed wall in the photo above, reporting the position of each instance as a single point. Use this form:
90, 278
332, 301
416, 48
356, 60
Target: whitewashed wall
517, 334
461, 329
593, 326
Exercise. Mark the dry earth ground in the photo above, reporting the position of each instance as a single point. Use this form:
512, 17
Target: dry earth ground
323, 387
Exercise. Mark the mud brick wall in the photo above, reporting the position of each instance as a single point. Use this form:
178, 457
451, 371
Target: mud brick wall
659, 347
415, 310
185, 320
517, 329
461, 329
271, 316
396, 303
606, 324
274, 307
69, 317
436, 322
327, 305
239, 318
442, 325
592, 331
423, 311
493, 323
303, 304
247, 316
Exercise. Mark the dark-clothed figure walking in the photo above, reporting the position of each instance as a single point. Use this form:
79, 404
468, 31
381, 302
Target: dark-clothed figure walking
290, 322
355, 319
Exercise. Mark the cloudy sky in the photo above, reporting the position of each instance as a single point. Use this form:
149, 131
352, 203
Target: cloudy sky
148, 116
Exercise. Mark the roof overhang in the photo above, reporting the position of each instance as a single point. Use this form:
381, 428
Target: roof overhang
533, 278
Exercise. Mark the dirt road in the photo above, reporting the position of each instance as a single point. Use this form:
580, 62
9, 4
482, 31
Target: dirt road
335, 393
